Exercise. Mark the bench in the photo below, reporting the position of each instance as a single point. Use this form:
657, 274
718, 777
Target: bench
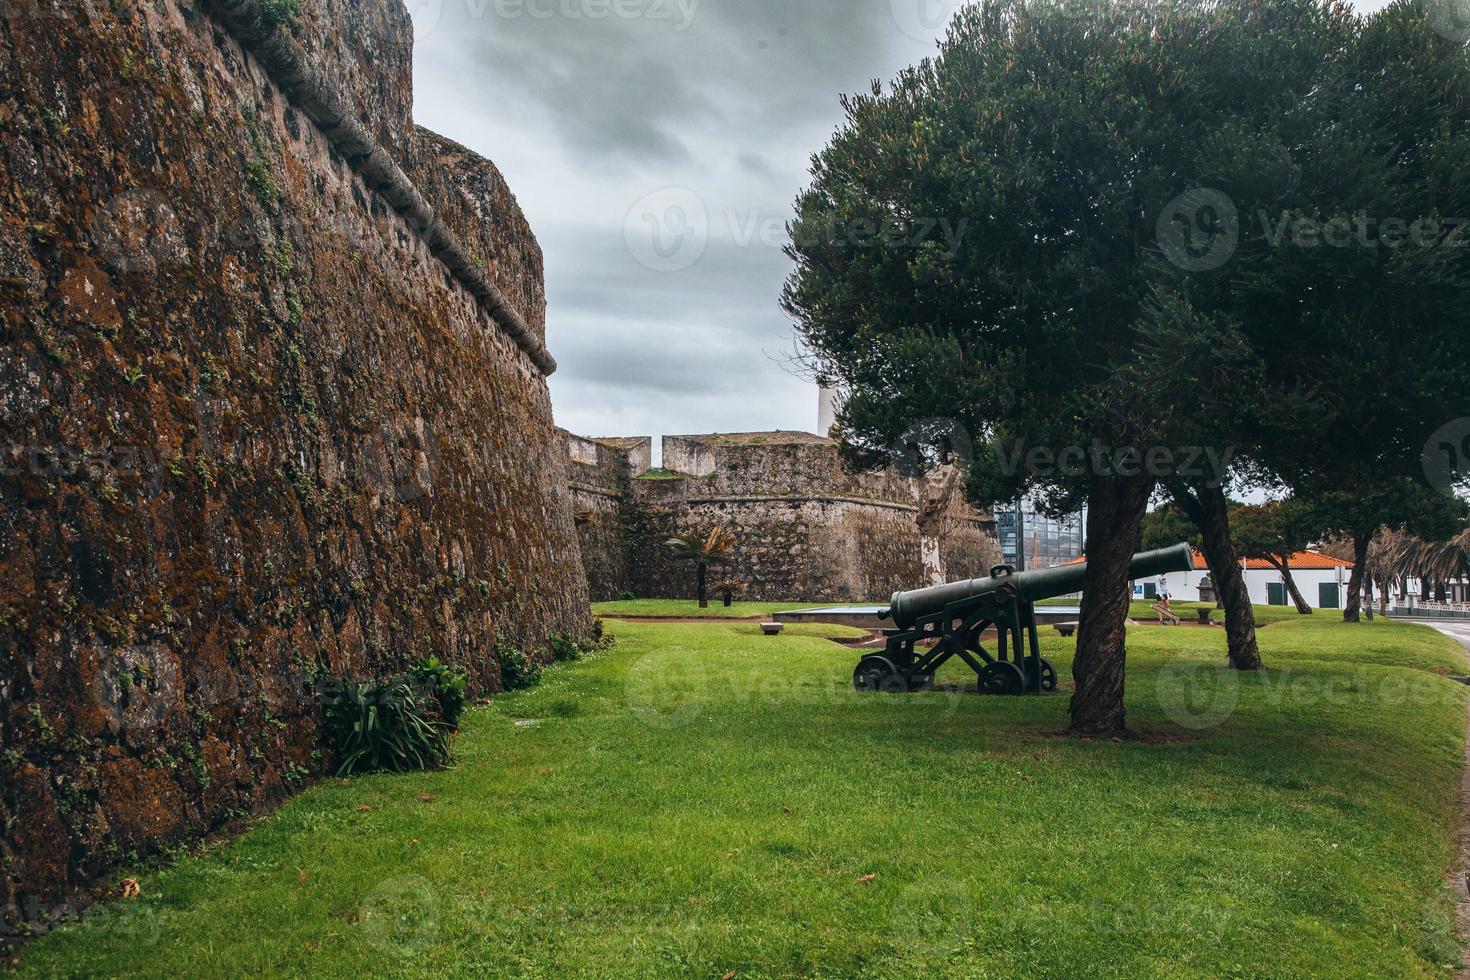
771, 629
1066, 629
1165, 616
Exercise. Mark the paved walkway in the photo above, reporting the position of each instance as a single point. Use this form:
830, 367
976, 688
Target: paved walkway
1458, 630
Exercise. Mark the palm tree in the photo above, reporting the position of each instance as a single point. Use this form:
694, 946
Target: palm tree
704, 550
1433, 563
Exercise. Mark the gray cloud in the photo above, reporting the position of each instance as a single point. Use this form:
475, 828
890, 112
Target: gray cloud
587, 113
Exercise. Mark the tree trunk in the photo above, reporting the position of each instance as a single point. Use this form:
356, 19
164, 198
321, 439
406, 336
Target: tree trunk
1299, 600
1240, 616
1115, 510
1210, 511
1354, 604
699, 592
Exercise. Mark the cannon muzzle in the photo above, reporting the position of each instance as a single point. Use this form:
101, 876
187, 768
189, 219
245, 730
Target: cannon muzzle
906, 608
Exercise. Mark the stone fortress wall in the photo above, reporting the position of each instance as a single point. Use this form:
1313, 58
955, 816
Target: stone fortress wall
272, 401
807, 529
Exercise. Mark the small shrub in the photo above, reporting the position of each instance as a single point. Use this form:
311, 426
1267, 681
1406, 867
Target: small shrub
441, 684
516, 669
381, 726
564, 647
627, 596
262, 181
276, 13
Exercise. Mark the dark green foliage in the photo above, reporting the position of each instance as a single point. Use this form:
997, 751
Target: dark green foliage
1088, 200
626, 596
381, 727
278, 13
566, 647
444, 685
1168, 525
516, 669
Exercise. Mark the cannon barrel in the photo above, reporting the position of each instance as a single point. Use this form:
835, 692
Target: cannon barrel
906, 608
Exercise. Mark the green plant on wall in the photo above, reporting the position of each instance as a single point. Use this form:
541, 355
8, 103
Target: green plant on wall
441, 684
381, 726
516, 669
277, 13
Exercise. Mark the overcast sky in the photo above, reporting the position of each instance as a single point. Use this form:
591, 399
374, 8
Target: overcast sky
657, 147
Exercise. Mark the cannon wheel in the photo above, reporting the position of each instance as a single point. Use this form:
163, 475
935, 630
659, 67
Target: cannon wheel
875, 673
1002, 677
1048, 675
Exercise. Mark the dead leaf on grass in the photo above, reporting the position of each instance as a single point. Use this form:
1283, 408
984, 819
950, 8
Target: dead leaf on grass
364, 809
130, 888
864, 879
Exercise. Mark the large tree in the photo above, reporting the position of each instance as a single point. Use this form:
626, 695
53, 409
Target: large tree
1273, 532
1202, 515
980, 242
1052, 233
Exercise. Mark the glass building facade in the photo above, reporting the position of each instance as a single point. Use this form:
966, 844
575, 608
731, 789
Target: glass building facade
1049, 540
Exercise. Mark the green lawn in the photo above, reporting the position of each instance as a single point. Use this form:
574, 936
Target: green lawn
1142, 610
690, 608
703, 799
1265, 615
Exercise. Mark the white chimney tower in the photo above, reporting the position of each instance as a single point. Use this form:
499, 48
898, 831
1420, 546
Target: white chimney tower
827, 405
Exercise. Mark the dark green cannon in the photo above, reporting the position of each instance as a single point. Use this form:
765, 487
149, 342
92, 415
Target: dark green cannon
932, 625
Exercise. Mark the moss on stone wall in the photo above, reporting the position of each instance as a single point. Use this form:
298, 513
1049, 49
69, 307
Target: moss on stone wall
250, 430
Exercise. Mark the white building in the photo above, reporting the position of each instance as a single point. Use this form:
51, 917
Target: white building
1322, 580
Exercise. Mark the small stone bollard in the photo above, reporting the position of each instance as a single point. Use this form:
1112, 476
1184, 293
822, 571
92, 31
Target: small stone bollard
1204, 616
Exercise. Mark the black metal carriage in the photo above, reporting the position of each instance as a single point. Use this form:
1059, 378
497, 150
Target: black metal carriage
932, 625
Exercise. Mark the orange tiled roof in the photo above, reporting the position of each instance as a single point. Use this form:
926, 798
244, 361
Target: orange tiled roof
1301, 561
